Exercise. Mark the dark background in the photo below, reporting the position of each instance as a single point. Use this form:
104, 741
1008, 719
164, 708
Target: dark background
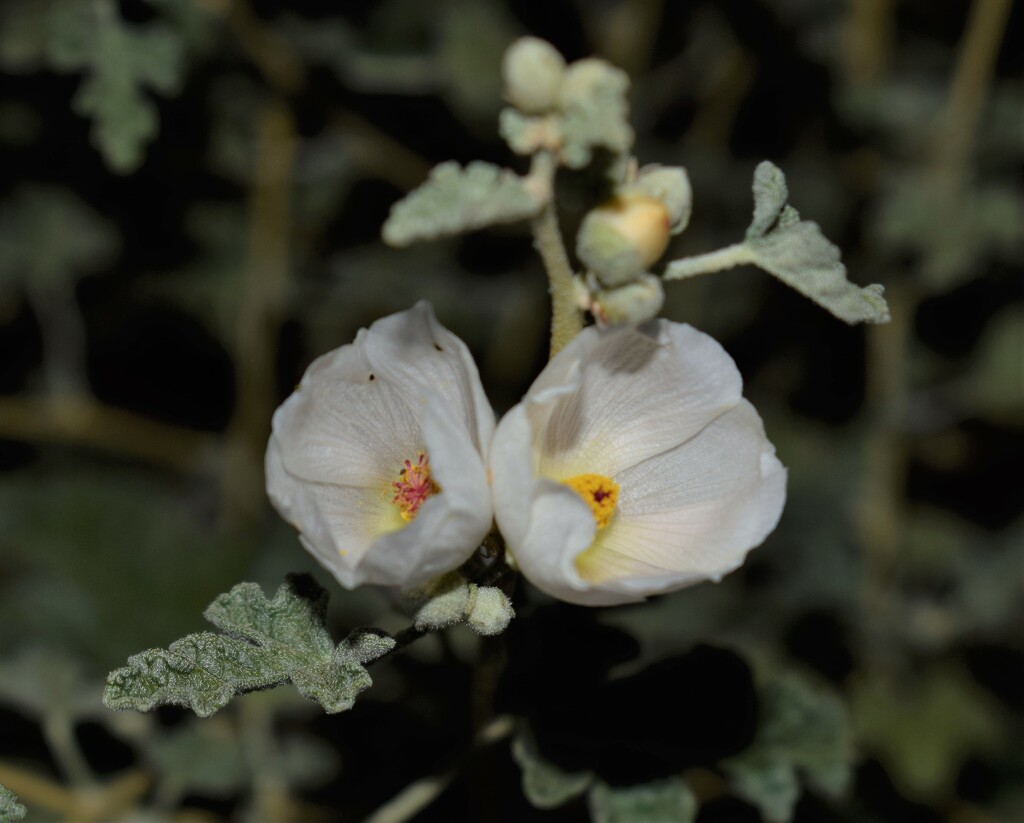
153, 314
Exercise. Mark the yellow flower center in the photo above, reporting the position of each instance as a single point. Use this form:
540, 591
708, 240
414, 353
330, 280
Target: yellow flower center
413, 487
599, 492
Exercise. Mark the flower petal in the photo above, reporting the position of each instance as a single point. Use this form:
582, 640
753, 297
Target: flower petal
337, 524
412, 350
344, 425
692, 513
450, 525
641, 391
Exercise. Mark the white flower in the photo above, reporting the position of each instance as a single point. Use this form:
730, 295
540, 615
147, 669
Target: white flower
379, 456
634, 466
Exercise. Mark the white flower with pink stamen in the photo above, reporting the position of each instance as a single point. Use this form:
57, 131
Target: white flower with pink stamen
379, 456
634, 466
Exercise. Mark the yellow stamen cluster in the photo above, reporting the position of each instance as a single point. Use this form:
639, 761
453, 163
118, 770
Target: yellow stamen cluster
599, 492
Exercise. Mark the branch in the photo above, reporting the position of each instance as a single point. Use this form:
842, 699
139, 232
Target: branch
259, 307
81, 421
415, 797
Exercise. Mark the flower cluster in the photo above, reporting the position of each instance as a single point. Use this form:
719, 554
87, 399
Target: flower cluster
632, 466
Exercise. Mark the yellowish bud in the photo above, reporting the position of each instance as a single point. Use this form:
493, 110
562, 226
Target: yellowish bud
620, 239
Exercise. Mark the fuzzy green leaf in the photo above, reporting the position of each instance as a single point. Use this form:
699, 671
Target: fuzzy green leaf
771, 785
545, 785
44, 683
595, 112
203, 757
455, 200
796, 252
47, 236
120, 62
10, 808
666, 801
770, 197
266, 643
802, 729
924, 729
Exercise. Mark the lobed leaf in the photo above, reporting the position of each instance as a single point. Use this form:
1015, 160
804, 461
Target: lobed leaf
456, 199
796, 252
49, 236
120, 62
545, 785
595, 112
266, 643
793, 250
803, 729
666, 801
10, 808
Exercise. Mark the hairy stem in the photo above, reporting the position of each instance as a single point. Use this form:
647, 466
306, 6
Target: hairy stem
735, 255
566, 315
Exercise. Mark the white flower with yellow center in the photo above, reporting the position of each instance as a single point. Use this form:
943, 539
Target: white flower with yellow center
379, 456
634, 466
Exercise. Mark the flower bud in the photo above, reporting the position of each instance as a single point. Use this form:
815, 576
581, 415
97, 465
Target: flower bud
670, 185
491, 612
439, 602
633, 303
533, 70
620, 239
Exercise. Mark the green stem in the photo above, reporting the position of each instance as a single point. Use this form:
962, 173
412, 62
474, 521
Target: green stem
566, 314
968, 91
736, 255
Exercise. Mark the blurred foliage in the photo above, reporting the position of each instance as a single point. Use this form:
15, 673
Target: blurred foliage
867, 663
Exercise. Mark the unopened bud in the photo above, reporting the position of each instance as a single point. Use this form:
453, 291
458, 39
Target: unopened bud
619, 240
439, 602
634, 303
491, 612
533, 70
670, 185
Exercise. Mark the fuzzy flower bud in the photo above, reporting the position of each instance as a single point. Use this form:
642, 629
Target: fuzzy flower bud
636, 302
620, 239
671, 186
533, 70
491, 612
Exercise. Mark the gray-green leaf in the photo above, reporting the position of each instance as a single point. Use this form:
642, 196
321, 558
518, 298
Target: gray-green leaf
595, 112
802, 728
796, 252
10, 808
665, 801
545, 785
793, 250
48, 236
120, 62
456, 199
266, 643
